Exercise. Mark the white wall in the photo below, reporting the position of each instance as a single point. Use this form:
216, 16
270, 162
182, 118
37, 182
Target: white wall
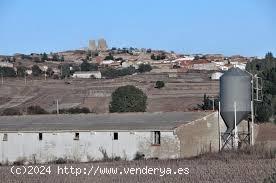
216, 75
207, 66
6, 64
241, 66
97, 75
62, 145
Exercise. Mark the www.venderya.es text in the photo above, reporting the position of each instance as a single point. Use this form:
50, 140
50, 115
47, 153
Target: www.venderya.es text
96, 170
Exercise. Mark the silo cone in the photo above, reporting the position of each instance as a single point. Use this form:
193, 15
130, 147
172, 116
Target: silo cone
229, 120
235, 86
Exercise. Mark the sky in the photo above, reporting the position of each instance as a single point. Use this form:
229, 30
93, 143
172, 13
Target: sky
244, 27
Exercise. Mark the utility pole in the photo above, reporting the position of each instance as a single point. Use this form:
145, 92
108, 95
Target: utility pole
252, 123
252, 107
57, 107
236, 140
252, 110
257, 89
213, 103
219, 127
2, 79
45, 72
61, 71
25, 78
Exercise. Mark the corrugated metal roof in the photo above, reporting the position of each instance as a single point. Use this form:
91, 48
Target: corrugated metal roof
90, 122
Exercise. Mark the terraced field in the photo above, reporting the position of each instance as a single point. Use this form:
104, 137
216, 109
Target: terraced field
180, 94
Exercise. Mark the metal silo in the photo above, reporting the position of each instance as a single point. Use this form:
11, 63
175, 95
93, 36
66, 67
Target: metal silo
235, 87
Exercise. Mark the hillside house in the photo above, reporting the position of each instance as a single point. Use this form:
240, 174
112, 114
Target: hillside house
87, 74
84, 137
130, 63
187, 58
204, 65
29, 71
224, 67
242, 66
216, 75
107, 62
220, 63
185, 64
56, 71
6, 64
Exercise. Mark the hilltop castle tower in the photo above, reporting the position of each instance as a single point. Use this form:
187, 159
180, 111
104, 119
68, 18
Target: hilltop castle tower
92, 45
102, 45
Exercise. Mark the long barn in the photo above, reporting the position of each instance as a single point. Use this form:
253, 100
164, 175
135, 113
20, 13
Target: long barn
85, 137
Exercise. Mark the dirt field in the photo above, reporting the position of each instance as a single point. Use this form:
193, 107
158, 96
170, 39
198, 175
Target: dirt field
180, 94
223, 170
267, 130
267, 135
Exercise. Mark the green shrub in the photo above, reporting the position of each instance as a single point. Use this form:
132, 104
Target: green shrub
36, 71
44, 57
263, 112
109, 57
159, 84
144, 68
139, 156
208, 103
85, 66
74, 110
111, 73
7, 72
271, 179
21, 71
36, 110
128, 99
266, 69
11, 112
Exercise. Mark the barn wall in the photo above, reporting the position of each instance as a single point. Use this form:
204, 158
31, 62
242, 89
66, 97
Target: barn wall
56, 145
199, 136
202, 135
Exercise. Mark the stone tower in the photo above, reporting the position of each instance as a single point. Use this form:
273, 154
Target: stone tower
102, 45
92, 45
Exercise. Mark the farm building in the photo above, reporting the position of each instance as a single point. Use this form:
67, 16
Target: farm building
216, 75
204, 66
6, 64
85, 137
87, 74
130, 63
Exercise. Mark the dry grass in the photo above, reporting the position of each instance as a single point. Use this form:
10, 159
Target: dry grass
179, 94
235, 166
258, 151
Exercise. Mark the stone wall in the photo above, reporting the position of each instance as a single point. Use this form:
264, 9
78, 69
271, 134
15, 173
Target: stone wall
202, 135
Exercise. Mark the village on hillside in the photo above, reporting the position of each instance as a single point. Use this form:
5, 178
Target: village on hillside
86, 78
118, 58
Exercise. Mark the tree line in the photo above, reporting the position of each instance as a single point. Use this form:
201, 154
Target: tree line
66, 70
266, 69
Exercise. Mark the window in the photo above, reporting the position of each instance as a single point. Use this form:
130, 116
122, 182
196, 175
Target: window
156, 138
5, 137
115, 136
39, 136
77, 136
